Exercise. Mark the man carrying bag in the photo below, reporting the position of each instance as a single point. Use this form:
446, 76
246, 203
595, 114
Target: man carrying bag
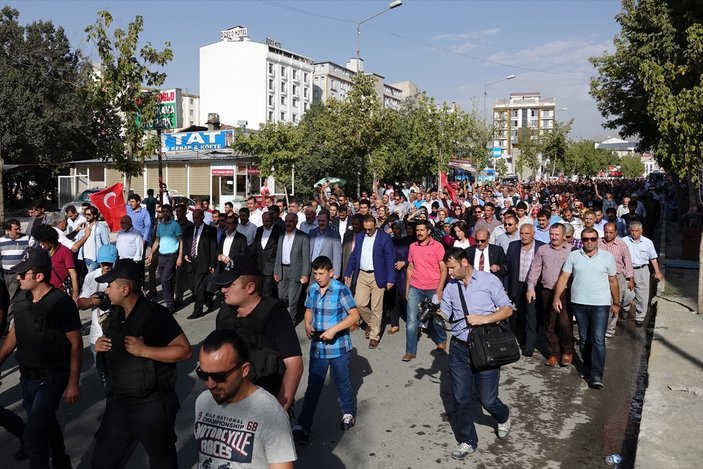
484, 302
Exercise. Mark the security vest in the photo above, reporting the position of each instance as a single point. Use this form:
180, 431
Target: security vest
127, 375
38, 345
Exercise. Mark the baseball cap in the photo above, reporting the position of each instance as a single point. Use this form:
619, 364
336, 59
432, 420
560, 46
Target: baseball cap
123, 268
239, 265
33, 258
107, 254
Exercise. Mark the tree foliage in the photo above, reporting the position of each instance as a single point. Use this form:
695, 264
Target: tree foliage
631, 167
584, 159
117, 96
652, 84
42, 102
556, 144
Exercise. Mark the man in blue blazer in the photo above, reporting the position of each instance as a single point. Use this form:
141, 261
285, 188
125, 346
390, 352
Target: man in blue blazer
324, 241
517, 265
371, 265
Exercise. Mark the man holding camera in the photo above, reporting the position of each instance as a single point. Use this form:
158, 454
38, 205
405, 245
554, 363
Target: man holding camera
486, 302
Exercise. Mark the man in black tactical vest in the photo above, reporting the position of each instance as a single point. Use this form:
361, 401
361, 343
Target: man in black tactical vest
141, 345
265, 325
47, 335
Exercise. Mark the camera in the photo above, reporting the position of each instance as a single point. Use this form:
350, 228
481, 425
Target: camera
428, 309
104, 303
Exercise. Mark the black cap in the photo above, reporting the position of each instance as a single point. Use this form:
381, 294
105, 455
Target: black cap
123, 268
33, 258
239, 265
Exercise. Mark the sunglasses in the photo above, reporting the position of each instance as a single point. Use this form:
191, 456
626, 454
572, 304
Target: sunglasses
592, 240
218, 376
24, 274
481, 241
508, 224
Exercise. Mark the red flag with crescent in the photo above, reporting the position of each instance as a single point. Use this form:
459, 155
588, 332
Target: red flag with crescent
444, 184
110, 203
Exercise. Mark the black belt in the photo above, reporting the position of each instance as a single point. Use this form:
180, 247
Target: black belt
285, 265
640, 266
38, 373
462, 342
367, 271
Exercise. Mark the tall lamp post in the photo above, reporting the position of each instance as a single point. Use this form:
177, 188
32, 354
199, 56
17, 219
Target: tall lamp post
392, 5
485, 96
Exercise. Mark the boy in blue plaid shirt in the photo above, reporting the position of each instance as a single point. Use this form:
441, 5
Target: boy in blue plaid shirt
329, 313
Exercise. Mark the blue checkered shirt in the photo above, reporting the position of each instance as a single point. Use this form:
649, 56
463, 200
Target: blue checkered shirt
329, 310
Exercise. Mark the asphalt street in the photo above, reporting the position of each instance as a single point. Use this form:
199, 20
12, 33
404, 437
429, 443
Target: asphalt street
404, 409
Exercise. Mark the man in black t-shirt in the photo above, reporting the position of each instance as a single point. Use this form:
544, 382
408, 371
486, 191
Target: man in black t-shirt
141, 345
252, 315
47, 335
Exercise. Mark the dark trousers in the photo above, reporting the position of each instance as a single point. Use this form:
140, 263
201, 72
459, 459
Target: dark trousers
525, 322
153, 267
198, 281
559, 331
167, 269
399, 305
268, 286
42, 434
125, 424
11, 422
289, 290
180, 283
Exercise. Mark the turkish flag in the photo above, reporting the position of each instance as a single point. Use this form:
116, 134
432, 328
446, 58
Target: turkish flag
110, 202
445, 185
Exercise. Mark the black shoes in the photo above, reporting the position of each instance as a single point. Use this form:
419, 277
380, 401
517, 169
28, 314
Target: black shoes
196, 315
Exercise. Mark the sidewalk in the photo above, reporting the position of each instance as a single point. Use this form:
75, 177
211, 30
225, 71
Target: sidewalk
671, 429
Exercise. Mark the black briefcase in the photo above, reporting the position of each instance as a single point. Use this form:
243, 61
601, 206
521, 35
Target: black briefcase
492, 345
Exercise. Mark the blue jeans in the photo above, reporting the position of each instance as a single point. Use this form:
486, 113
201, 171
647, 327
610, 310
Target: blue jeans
317, 372
415, 297
463, 378
592, 323
42, 435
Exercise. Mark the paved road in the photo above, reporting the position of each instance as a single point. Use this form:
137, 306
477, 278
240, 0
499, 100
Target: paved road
405, 409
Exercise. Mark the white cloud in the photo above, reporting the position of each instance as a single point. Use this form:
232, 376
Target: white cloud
464, 36
559, 53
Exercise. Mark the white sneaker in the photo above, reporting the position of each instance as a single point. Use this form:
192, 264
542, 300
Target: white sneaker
348, 421
463, 450
504, 429
608, 335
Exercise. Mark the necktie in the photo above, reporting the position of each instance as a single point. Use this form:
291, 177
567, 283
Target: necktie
481, 261
194, 245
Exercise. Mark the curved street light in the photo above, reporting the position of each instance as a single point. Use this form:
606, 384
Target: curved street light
392, 5
485, 91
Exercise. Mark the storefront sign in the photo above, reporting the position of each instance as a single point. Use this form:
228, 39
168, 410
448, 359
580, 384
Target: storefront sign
222, 172
197, 141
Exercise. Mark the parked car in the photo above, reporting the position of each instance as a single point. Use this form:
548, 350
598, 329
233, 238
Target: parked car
84, 197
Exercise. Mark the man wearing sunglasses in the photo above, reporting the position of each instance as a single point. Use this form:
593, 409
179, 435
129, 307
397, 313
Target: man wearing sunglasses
47, 335
595, 296
140, 346
237, 422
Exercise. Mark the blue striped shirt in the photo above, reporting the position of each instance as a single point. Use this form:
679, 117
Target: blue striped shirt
329, 310
12, 250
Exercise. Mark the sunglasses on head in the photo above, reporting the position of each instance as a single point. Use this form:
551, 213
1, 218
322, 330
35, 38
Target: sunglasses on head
218, 376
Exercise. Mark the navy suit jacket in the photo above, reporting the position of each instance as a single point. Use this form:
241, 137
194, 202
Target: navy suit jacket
512, 266
496, 256
383, 259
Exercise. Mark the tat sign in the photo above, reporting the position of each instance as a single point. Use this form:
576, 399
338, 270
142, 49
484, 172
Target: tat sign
197, 141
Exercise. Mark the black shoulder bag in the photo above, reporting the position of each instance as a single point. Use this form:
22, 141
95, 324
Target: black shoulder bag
490, 345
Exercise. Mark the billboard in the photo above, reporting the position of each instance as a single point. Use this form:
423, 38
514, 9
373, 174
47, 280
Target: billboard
197, 141
168, 111
496, 152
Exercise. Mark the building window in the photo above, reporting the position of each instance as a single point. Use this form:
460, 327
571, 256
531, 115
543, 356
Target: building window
271, 84
305, 77
270, 100
191, 101
283, 70
283, 86
305, 92
283, 100
270, 68
270, 116
295, 117
295, 74
295, 89
190, 113
305, 107
283, 115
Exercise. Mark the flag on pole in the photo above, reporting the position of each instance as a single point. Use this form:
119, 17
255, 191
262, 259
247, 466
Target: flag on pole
110, 203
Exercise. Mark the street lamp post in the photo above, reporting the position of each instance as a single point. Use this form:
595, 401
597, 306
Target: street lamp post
485, 96
392, 5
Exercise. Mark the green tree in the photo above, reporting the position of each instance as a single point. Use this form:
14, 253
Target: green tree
117, 93
556, 144
584, 159
631, 167
529, 149
502, 167
42, 104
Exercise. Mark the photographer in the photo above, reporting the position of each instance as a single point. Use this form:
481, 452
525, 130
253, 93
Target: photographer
486, 303
93, 296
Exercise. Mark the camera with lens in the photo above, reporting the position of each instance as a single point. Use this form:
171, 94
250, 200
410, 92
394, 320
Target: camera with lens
104, 300
428, 309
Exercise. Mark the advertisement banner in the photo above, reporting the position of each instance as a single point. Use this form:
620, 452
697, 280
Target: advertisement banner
197, 141
168, 111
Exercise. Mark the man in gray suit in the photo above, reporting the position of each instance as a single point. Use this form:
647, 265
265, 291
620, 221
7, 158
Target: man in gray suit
292, 268
324, 241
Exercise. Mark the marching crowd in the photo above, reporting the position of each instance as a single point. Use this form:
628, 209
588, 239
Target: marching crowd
537, 256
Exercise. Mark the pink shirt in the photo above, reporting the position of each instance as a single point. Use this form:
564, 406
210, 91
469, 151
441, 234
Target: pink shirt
425, 260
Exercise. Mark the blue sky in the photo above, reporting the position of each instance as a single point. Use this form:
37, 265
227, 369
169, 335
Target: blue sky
450, 49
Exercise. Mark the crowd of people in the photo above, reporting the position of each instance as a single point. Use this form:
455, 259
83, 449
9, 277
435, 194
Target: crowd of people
537, 255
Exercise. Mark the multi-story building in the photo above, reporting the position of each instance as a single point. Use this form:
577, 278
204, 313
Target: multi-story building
251, 82
334, 81
190, 109
522, 115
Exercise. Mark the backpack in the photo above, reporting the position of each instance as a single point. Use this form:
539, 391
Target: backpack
267, 365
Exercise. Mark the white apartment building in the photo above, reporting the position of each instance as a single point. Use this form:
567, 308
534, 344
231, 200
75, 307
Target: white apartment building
190, 109
519, 112
253, 82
